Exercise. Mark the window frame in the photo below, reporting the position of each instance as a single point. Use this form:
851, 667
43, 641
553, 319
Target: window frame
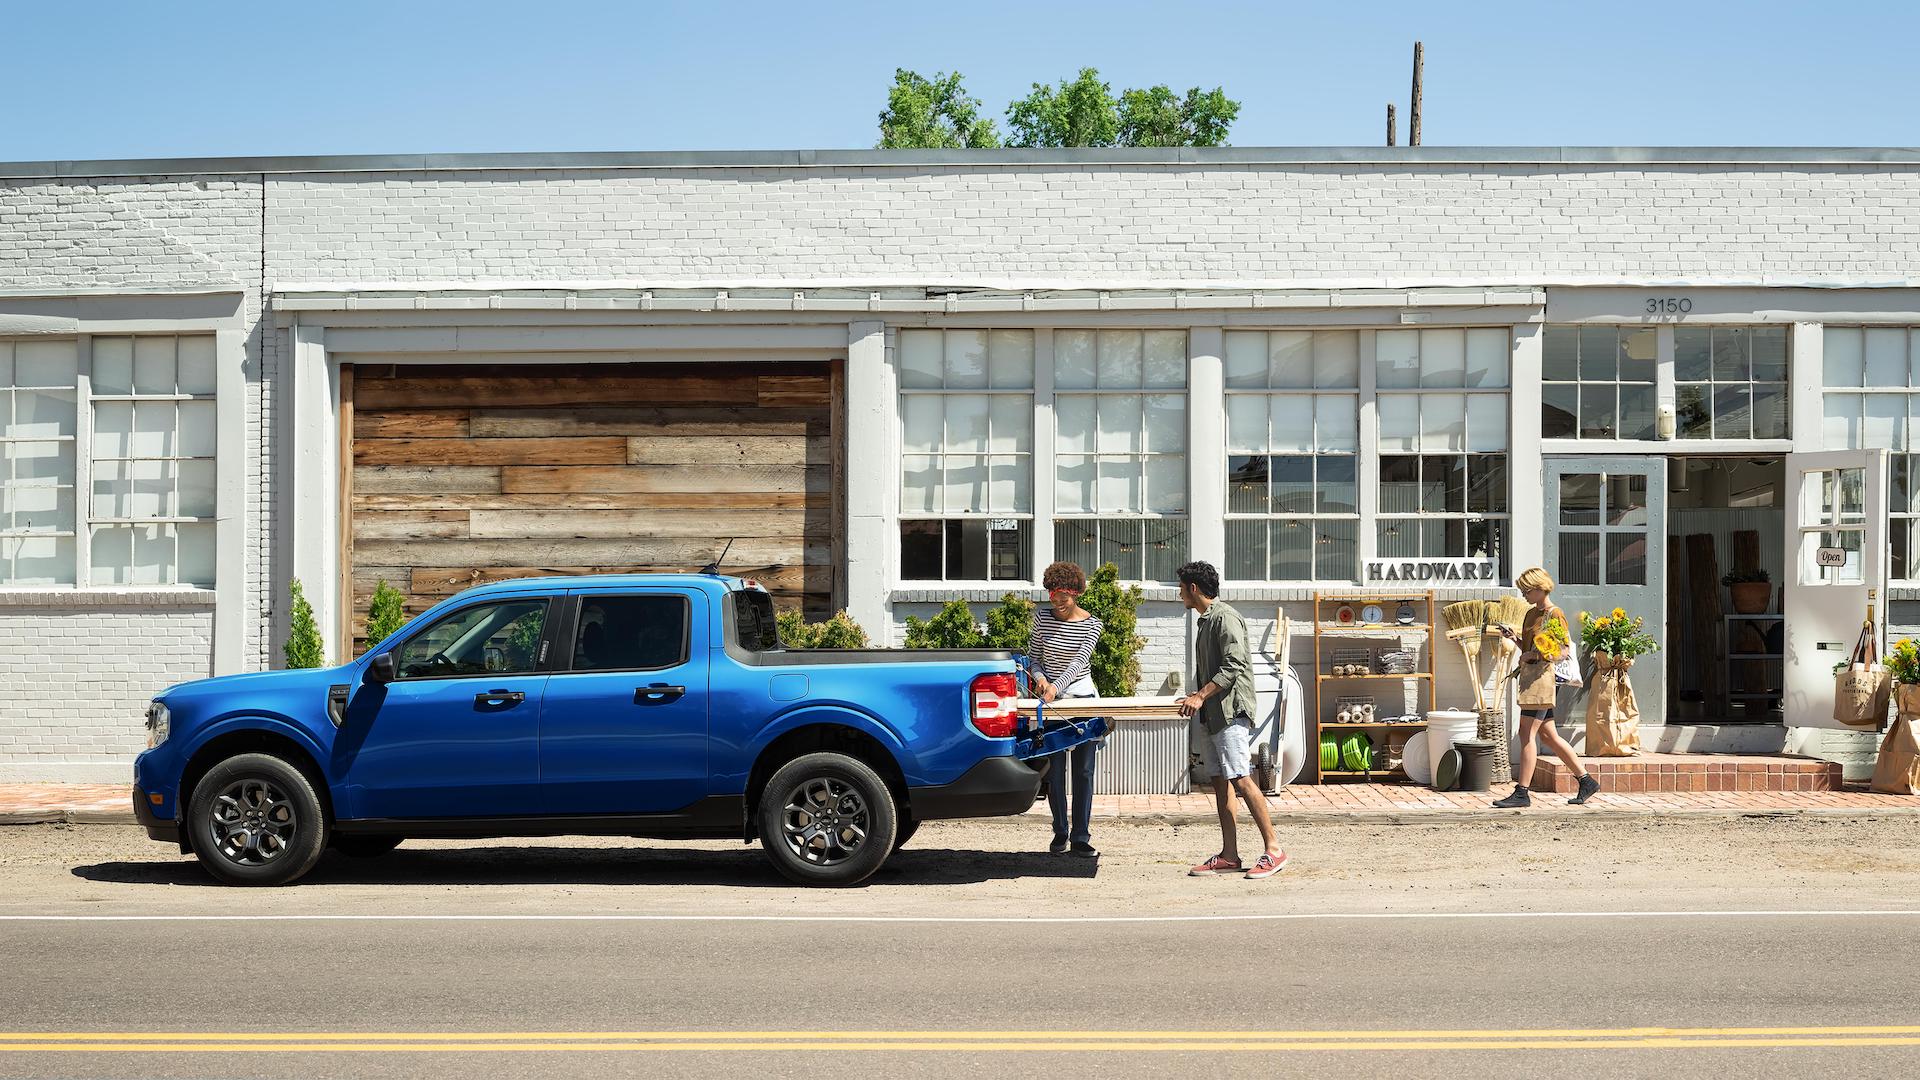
575, 625
10, 393
1903, 459
542, 663
1580, 383
1713, 384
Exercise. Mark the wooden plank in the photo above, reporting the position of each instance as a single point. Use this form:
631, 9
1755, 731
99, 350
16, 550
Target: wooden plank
837, 477
343, 464
604, 450
793, 391
411, 424
410, 479
442, 582
657, 478
542, 423
728, 450
411, 391
598, 500
410, 524
637, 524
575, 552
1704, 580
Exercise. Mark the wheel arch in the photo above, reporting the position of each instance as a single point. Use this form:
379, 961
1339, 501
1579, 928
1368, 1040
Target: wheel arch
252, 740
829, 736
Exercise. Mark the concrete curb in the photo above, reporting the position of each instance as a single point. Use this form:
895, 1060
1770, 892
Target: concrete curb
68, 817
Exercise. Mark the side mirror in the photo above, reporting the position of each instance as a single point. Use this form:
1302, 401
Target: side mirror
380, 669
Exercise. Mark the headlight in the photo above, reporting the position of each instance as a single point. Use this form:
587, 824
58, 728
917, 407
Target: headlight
159, 720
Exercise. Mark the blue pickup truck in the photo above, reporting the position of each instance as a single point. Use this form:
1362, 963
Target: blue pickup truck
656, 706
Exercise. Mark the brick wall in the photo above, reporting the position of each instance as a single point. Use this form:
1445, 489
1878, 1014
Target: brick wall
74, 689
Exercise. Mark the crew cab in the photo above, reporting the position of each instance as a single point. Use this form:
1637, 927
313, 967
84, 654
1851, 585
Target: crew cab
658, 706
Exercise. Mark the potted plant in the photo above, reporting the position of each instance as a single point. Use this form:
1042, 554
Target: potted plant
1750, 589
1903, 667
1613, 713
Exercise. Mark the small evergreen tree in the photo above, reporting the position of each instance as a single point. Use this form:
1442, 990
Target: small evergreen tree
838, 632
303, 648
1116, 656
1010, 625
952, 628
386, 614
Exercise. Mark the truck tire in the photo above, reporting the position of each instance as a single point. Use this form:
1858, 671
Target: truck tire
363, 845
256, 820
827, 819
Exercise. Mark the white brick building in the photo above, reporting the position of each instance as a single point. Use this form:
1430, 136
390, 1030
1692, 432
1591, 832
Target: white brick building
1290, 362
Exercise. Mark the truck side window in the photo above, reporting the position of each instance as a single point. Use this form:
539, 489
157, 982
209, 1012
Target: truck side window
756, 628
630, 633
485, 639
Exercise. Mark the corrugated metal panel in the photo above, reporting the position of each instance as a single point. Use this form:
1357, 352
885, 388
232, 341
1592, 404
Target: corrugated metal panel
1144, 757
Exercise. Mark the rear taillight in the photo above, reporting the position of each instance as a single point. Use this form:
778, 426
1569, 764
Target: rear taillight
991, 698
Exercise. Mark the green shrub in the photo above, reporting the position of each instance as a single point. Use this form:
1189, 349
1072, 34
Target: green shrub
838, 632
303, 648
386, 614
1010, 624
952, 628
1116, 656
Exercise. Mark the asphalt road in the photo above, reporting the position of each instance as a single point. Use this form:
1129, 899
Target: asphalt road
1608, 950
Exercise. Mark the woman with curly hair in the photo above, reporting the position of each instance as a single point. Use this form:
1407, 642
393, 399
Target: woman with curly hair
1064, 635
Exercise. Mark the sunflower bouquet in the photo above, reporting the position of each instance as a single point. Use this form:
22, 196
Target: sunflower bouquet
1550, 640
1620, 636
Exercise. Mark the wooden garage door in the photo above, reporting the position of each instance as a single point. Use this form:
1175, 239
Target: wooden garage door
467, 475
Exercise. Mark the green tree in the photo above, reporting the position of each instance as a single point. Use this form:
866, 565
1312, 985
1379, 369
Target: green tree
1116, 656
386, 614
952, 628
1010, 624
838, 632
1080, 112
1156, 117
303, 648
933, 114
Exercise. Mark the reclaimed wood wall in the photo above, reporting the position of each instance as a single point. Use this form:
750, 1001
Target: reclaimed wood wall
468, 475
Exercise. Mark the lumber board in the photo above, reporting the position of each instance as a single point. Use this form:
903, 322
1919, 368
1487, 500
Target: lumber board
597, 500
793, 391
416, 479
443, 582
615, 524
412, 424
726, 450
1126, 708
643, 421
410, 391
586, 450
411, 524
662, 478
1703, 580
577, 552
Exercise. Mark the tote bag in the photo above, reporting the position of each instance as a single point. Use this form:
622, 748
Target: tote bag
1860, 689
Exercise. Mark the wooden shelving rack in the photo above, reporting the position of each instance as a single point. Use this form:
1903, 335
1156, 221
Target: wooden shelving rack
1326, 628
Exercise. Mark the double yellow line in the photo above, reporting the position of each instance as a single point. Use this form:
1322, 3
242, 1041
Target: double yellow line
389, 1042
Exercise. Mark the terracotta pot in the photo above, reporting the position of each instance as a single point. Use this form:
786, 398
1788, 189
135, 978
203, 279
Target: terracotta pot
1750, 597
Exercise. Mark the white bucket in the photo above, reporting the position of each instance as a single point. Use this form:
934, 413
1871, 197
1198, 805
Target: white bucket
1447, 726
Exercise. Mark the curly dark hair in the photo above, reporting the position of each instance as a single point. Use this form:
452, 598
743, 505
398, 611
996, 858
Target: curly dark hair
1202, 576
1064, 575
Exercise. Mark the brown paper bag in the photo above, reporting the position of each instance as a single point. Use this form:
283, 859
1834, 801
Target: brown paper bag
1613, 715
1861, 688
1897, 770
1537, 690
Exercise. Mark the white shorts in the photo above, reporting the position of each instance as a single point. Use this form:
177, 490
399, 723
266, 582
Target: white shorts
1229, 751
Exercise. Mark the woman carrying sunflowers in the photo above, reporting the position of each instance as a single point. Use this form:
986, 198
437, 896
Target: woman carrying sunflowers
1543, 639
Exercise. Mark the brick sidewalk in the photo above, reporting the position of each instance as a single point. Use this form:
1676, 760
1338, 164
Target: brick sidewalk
30, 803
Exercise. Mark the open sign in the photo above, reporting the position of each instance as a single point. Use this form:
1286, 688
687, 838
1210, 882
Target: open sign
1830, 557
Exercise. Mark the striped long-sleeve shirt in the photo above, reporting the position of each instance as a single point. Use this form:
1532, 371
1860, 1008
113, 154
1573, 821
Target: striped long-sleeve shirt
1064, 649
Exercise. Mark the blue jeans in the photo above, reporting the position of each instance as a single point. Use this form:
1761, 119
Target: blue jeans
1081, 758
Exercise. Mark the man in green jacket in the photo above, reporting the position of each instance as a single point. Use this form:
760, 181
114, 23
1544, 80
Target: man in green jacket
1225, 704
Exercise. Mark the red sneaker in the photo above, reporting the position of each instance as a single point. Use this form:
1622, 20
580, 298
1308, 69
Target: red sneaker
1267, 866
1219, 864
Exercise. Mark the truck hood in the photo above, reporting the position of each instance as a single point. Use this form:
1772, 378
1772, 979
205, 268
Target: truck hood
301, 679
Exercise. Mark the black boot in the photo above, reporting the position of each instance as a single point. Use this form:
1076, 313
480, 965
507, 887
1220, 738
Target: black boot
1589, 787
1518, 798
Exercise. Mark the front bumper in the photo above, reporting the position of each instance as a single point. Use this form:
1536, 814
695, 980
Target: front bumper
996, 787
158, 828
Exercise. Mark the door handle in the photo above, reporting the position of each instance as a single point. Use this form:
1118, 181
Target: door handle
499, 697
657, 692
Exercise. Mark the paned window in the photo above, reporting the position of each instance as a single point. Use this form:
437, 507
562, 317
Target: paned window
1603, 529
38, 419
1443, 448
1598, 382
1120, 450
1872, 398
966, 472
1730, 382
152, 511
1293, 441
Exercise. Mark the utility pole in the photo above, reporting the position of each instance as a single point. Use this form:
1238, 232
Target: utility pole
1413, 118
1390, 123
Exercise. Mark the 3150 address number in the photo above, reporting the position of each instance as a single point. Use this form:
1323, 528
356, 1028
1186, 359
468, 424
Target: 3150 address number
1669, 305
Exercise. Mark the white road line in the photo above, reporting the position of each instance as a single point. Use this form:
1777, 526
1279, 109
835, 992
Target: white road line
1305, 916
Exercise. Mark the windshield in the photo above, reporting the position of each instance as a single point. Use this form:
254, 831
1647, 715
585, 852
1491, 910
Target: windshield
753, 618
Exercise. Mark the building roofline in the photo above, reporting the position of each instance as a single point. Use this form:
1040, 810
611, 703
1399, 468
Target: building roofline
978, 159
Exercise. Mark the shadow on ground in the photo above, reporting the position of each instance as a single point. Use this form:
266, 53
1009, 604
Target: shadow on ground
522, 865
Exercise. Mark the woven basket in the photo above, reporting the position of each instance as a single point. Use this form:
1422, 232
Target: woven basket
1493, 728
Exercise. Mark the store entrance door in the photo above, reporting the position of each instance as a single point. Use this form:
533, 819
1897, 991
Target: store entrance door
1606, 549
1836, 565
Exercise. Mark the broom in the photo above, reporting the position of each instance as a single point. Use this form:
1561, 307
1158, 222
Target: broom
1507, 613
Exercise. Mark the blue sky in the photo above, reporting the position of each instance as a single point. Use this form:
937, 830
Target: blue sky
110, 79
